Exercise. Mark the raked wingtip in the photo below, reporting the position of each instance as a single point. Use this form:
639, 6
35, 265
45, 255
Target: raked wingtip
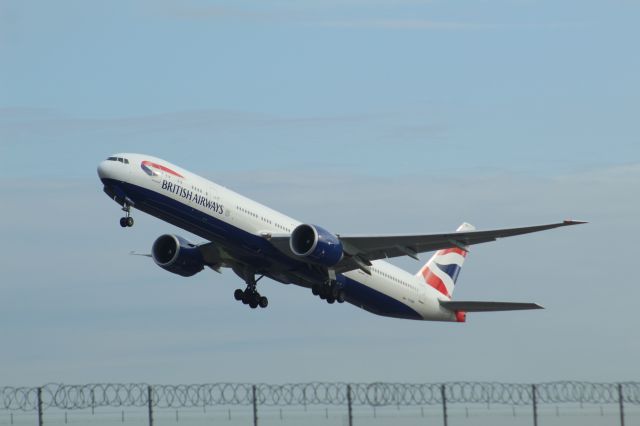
574, 222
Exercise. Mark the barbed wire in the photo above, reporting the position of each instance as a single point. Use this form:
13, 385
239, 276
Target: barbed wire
71, 397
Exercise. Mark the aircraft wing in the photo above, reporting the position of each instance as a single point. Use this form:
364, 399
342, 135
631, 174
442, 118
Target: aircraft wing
363, 249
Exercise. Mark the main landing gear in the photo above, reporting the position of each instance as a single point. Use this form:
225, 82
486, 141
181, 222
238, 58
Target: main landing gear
331, 291
250, 295
127, 220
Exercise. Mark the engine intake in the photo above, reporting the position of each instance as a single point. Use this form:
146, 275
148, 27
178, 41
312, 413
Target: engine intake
316, 244
177, 255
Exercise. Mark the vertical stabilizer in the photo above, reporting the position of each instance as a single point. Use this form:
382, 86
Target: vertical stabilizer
442, 270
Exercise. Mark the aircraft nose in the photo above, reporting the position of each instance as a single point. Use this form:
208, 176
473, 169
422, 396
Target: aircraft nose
103, 169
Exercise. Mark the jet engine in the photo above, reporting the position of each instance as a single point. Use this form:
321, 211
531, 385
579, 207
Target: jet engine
177, 255
316, 244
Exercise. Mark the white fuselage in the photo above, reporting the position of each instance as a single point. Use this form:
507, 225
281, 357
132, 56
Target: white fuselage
224, 217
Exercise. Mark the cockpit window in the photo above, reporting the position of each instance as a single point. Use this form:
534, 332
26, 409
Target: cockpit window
119, 159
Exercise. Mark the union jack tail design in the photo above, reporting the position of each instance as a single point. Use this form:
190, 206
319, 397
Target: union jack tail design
442, 270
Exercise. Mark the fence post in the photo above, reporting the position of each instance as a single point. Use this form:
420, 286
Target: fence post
350, 405
444, 403
40, 419
535, 405
255, 406
621, 399
150, 404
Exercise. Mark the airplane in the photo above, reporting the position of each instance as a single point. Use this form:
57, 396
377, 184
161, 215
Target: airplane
256, 241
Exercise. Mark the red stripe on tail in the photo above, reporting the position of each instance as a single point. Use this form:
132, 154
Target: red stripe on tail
434, 281
461, 252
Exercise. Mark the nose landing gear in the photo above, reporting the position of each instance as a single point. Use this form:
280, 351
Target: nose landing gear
127, 220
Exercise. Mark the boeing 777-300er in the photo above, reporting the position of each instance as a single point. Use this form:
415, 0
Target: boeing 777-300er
256, 241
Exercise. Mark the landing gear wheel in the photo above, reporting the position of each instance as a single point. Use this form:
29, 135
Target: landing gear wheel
238, 294
334, 291
264, 302
127, 220
250, 295
331, 291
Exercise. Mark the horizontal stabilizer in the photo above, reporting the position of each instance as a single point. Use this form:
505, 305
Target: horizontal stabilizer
487, 306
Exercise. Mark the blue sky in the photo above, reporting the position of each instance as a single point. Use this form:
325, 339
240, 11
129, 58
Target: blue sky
368, 117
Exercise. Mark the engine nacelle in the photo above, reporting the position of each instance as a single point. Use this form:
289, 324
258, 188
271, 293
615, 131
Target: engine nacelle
177, 255
316, 244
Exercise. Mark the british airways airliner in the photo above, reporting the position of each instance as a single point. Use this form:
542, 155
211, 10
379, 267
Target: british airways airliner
256, 241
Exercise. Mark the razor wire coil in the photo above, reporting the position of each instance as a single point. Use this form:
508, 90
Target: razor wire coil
73, 397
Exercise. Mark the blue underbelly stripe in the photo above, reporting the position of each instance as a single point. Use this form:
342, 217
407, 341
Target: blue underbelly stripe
376, 302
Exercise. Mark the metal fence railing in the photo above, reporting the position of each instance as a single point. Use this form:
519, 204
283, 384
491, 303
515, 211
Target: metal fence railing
155, 397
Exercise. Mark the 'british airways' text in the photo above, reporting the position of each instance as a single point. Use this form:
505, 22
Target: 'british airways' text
192, 196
